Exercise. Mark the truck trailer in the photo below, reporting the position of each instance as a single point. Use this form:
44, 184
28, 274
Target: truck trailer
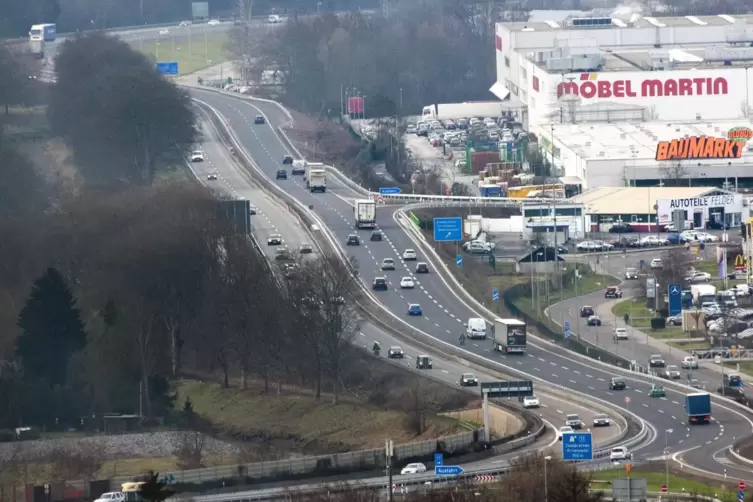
453, 111
698, 408
365, 213
703, 293
46, 32
510, 336
317, 180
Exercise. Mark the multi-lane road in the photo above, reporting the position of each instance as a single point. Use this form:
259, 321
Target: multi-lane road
445, 314
274, 217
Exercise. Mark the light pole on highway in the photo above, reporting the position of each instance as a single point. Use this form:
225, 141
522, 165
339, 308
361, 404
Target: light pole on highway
546, 479
667, 432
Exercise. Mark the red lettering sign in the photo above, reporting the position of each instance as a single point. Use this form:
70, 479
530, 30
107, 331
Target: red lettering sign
654, 87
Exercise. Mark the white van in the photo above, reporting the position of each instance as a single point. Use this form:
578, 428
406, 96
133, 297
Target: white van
476, 328
274, 19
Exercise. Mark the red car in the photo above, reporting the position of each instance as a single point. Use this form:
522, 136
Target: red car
613, 292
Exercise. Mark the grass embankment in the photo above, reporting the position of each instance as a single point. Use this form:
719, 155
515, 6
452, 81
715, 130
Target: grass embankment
192, 53
656, 477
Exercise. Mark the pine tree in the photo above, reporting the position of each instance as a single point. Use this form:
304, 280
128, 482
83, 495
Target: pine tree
52, 329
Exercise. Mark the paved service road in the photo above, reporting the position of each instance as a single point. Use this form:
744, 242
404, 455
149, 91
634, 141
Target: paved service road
444, 315
273, 217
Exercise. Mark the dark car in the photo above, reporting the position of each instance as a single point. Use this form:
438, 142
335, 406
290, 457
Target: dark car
259, 119
586, 311
613, 292
379, 284
621, 228
353, 240
617, 383
656, 361
395, 352
422, 268
593, 321
601, 420
376, 235
468, 380
717, 225
288, 159
676, 239
282, 174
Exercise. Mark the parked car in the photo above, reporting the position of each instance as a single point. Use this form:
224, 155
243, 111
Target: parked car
620, 228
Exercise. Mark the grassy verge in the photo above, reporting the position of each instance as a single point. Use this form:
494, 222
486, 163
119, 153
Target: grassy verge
192, 53
656, 477
640, 317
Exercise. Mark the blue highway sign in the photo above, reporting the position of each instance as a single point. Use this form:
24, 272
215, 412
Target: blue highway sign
459, 260
495, 294
740, 495
389, 191
577, 446
448, 229
447, 470
674, 293
168, 68
438, 459
567, 329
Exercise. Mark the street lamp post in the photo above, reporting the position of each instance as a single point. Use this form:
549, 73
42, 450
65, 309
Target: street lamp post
667, 432
546, 480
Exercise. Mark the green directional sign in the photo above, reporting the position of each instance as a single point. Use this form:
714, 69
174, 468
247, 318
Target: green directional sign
414, 219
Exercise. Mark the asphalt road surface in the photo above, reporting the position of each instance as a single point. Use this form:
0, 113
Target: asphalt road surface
445, 315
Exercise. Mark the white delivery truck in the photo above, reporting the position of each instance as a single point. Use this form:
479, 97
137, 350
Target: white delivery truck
365, 212
454, 111
476, 328
317, 180
703, 293
510, 336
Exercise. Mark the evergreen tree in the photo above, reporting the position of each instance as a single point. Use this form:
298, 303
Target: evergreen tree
52, 329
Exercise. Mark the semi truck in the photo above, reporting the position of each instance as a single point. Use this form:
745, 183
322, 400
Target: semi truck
317, 180
698, 408
703, 293
510, 336
46, 32
365, 213
443, 111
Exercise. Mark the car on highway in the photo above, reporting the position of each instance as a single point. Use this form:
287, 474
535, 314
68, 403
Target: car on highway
415, 309
656, 361
282, 174
564, 430
353, 240
619, 453
183, 24
252, 210
601, 420
620, 334
259, 119
671, 372
631, 273
212, 176
423, 362
695, 383
689, 363
213, 22
197, 156
164, 32
586, 311
388, 264
573, 420
613, 292
287, 159
407, 283
593, 320
617, 383
422, 268
376, 235
699, 277
274, 240
306, 249
531, 402
657, 391
416, 468
410, 255
282, 253
379, 284
657, 263
395, 352
468, 380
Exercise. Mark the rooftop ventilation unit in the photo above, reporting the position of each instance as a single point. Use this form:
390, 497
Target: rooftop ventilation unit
695, 20
619, 23
552, 24
725, 54
727, 17
591, 22
655, 22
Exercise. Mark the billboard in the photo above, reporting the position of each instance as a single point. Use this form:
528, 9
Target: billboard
712, 94
355, 105
699, 147
200, 10
730, 203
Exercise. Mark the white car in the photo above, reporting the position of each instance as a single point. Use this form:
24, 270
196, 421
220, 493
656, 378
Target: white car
704, 237
416, 468
531, 402
652, 240
657, 263
274, 240
619, 453
111, 497
197, 156
388, 264
213, 22
689, 363
699, 277
621, 333
407, 283
564, 430
410, 254
164, 32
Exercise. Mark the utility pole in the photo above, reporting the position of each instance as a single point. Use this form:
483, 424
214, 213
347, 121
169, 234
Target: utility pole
388, 453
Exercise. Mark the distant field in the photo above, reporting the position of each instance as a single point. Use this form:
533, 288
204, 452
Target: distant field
191, 53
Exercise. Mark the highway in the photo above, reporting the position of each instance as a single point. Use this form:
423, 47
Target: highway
445, 315
273, 217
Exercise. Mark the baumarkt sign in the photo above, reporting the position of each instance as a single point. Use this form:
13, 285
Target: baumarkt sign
730, 203
700, 147
590, 87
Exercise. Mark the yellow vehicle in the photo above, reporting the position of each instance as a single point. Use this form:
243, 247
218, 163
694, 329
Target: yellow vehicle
132, 491
523, 191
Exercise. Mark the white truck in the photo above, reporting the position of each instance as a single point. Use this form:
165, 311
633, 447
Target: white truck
365, 212
454, 111
317, 180
510, 336
703, 293
476, 328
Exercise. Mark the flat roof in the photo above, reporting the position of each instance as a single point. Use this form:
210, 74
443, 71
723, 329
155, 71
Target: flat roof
636, 140
635, 200
642, 22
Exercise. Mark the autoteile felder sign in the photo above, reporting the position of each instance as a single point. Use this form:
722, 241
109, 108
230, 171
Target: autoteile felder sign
700, 147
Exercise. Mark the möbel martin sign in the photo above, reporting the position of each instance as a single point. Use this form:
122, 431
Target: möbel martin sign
732, 203
589, 86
